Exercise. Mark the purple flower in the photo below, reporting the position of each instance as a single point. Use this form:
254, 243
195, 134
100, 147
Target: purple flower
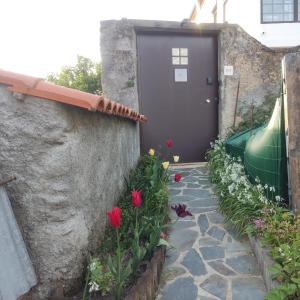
259, 223
181, 211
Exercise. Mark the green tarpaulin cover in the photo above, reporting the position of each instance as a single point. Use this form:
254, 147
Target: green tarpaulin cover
263, 151
236, 144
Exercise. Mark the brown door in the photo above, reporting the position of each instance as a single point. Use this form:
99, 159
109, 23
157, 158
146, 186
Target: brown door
178, 91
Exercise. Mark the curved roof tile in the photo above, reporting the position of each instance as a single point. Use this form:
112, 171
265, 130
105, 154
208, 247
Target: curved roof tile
38, 87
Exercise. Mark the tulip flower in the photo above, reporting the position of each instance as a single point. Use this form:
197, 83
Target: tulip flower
115, 217
165, 164
136, 198
169, 143
181, 210
151, 152
176, 158
115, 265
177, 177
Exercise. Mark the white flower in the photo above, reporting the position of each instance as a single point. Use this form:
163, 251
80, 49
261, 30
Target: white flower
94, 287
92, 266
165, 164
176, 158
272, 189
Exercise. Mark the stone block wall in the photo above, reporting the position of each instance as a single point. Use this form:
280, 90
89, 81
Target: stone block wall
70, 166
257, 67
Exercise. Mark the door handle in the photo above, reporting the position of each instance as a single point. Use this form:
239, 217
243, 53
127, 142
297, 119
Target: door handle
207, 100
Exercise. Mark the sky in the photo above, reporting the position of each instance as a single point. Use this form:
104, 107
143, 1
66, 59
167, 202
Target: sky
38, 37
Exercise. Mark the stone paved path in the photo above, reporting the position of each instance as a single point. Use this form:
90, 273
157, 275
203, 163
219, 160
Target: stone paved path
209, 260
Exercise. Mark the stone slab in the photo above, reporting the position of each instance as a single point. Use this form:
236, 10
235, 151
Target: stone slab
181, 288
217, 286
193, 262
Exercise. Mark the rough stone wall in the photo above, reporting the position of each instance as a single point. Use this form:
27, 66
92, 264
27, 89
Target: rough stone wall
291, 75
119, 63
257, 67
70, 166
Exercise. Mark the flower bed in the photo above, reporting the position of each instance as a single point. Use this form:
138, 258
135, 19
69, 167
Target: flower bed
256, 210
126, 261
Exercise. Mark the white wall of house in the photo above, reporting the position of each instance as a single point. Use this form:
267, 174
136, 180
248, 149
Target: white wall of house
247, 14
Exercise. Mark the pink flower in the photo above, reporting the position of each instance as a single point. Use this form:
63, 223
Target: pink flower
136, 198
259, 223
169, 143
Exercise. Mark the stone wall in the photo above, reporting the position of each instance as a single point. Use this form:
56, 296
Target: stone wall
257, 67
70, 166
119, 62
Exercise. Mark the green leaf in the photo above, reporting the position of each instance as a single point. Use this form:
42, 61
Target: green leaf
163, 242
111, 265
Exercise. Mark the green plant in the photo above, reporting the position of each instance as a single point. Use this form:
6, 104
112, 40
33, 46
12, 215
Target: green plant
144, 211
84, 76
281, 231
118, 265
240, 201
248, 208
121, 269
259, 116
99, 278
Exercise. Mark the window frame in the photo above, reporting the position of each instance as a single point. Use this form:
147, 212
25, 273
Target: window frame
224, 10
296, 14
215, 14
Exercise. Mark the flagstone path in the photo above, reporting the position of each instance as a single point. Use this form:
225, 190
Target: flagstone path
208, 261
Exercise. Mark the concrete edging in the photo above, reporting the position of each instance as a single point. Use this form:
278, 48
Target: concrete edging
264, 261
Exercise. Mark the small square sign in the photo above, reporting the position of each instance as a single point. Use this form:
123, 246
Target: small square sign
180, 75
228, 70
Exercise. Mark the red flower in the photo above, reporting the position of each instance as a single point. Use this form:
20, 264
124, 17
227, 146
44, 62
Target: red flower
181, 211
136, 198
177, 177
115, 217
169, 143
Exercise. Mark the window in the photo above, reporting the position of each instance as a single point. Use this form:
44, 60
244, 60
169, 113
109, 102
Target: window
274, 11
180, 56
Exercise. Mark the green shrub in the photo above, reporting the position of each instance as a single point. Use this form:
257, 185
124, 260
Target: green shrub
248, 208
99, 278
261, 115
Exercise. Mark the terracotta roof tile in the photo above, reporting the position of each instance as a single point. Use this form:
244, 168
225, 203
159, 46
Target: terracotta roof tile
38, 87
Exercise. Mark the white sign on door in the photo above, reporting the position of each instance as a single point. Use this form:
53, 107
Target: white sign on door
180, 75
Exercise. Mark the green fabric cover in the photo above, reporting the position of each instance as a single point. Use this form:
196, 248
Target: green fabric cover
236, 144
263, 152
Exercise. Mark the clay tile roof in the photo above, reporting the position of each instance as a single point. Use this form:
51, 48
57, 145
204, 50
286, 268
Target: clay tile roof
38, 87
